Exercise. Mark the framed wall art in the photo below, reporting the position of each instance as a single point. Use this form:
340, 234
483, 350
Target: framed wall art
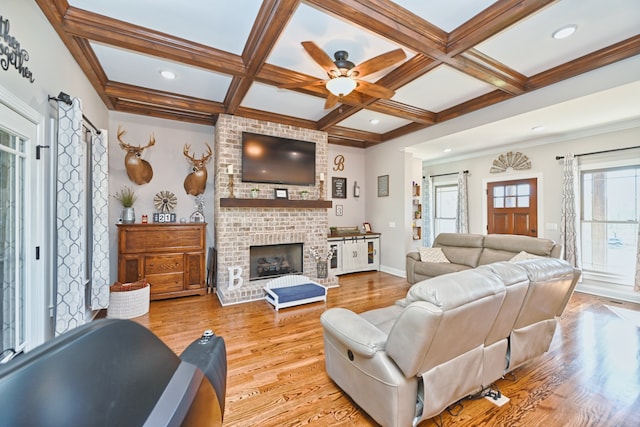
339, 188
281, 193
383, 185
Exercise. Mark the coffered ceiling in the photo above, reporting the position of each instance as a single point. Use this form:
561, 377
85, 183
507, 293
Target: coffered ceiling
231, 57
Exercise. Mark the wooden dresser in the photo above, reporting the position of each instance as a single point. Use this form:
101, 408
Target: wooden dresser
170, 256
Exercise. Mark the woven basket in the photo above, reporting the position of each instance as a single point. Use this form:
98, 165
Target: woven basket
127, 300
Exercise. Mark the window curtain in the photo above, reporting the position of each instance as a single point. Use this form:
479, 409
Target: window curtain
70, 217
462, 214
100, 206
427, 214
569, 213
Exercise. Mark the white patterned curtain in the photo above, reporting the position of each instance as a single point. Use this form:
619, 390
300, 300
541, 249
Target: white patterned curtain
569, 214
427, 214
70, 218
100, 204
462, 217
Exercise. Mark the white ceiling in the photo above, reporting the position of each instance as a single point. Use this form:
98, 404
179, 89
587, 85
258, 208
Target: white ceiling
526, 47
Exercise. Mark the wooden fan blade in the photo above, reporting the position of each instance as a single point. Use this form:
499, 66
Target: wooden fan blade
320, 57
332, 101
298, 85
374, 90
378, 63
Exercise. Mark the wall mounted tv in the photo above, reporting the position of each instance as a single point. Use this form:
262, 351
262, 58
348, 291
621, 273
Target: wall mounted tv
276, 160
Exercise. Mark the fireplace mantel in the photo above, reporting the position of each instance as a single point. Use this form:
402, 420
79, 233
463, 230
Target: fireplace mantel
273, 203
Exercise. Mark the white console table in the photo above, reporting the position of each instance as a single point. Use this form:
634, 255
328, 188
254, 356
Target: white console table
354, 253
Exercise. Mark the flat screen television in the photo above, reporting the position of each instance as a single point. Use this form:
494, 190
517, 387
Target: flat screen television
276, 160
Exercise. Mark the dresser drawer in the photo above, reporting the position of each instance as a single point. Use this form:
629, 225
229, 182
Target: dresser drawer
161, 283
160, 264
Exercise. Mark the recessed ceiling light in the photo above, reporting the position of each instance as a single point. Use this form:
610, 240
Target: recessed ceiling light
564, 32
537, 128
447, 150
169, 75
374, 121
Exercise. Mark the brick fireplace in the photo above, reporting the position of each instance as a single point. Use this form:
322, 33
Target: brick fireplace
239, 226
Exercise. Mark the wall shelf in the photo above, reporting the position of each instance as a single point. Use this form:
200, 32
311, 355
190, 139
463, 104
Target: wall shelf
274, 203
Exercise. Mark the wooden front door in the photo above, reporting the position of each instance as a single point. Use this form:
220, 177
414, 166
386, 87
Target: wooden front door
513, 207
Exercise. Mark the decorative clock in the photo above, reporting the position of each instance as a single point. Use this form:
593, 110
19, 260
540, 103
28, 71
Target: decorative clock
165, 202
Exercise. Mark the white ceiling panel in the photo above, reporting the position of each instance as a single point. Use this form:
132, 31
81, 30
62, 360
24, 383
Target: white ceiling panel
362, 121
440, 89
224, 25
446, 15
140, 70
598, 27
282, 101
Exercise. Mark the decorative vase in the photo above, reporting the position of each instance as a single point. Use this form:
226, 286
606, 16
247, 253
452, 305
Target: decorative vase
128, 216
321, 269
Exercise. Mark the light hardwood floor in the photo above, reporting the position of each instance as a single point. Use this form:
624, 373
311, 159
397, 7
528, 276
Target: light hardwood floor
276, 375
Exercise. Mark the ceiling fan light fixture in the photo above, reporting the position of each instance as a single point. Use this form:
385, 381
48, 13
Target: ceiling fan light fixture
341, 86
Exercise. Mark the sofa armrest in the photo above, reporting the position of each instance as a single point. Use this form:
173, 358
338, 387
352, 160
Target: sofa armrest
356, 333
412, 258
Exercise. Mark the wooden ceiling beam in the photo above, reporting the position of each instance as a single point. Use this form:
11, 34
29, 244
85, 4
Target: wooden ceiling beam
250, 113
164, 113
494, 19
267, 28
606, 56
163, 99
110, 31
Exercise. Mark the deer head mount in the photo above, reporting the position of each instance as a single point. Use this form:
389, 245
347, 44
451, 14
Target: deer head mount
196, 181
138, 169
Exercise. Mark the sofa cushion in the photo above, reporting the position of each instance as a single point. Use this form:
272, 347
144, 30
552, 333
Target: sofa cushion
432, 269
523, 255
432, 255
515, 244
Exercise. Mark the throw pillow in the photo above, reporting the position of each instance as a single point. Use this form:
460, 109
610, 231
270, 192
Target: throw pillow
433, 255
522, 256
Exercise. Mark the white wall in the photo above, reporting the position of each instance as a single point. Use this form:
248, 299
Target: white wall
390, 215
354, 213
170, 168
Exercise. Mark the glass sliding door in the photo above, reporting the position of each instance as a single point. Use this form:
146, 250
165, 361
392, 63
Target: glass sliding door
12, 241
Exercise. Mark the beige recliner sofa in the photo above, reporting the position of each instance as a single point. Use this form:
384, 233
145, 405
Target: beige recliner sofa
465, 251
451, 336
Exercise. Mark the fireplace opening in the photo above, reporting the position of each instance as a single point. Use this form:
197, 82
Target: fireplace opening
275, 260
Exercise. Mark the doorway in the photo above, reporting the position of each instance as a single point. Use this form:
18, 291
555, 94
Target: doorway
512, 207
22, 290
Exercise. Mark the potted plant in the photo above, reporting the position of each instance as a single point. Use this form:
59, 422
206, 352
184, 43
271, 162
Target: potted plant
127, 197
304, 194
254, 192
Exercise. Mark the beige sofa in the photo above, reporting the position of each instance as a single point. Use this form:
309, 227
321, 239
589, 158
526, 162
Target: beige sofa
451, 336
465, 251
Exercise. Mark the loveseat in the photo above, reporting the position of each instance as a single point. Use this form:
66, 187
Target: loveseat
450, 337
465, 251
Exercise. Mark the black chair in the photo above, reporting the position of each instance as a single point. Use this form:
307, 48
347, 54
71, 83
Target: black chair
115, 373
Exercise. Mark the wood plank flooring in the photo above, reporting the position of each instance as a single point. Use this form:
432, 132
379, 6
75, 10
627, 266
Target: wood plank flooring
276, 375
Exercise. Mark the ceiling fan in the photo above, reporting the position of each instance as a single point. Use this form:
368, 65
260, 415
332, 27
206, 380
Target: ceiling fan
345, 76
